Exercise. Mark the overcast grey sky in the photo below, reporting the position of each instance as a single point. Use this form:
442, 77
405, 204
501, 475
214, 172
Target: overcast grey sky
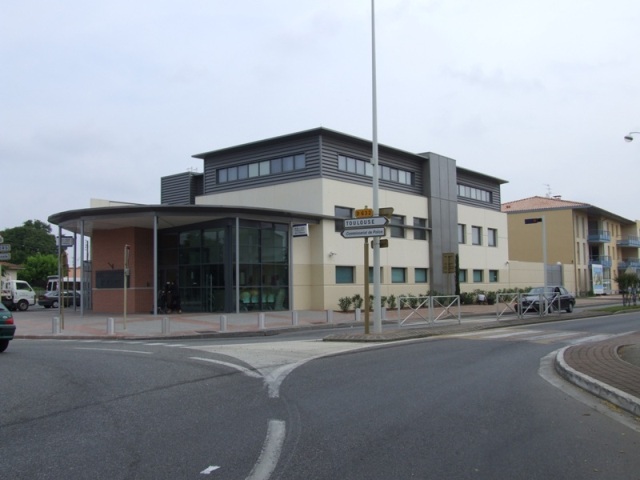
100, 99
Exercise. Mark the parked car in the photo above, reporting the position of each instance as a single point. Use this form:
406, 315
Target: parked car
554, 298
51, 300
7, 327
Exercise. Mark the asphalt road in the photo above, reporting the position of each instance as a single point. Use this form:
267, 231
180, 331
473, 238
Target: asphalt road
290, 407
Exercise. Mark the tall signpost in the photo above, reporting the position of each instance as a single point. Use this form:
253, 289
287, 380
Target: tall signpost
365, 225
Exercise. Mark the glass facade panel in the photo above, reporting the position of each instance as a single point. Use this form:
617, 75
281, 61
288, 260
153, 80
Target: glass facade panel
201, 265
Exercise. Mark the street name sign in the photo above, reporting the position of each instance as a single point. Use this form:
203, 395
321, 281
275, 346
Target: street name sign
5, 247
365, 222
5, 256
364, 232
532, 220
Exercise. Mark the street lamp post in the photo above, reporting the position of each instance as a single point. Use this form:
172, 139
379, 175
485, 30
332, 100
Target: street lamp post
629, 137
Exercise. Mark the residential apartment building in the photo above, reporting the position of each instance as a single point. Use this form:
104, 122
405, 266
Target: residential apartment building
261, 228
585, 247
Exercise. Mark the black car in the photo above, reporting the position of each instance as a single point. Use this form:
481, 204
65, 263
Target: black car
50, 299
7, 327
553, 298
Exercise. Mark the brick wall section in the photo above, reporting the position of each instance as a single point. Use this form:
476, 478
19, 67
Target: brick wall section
108, 254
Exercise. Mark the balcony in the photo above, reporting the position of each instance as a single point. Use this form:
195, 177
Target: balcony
629, 241
599, 236
629, 263
604, 260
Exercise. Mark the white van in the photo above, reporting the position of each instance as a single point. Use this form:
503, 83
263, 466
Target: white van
17, 295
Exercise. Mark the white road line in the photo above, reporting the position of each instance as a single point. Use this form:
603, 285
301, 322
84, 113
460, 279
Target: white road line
271, 450
246, 371
113, 350
555, 335
512, 334
209, 469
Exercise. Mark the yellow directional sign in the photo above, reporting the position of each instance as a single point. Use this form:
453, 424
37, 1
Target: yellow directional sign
364, 212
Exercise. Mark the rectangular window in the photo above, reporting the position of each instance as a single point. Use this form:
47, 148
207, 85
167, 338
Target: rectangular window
478, 276
243, 172
342, 213
462, 276
300, 162
254, 170
421, 275
344, 274
462, 233
492, 237
276, 165
493, 276
371, 275
233, 174
265, 168
222, 175
476, 235
419, 232
397, 226
398, 275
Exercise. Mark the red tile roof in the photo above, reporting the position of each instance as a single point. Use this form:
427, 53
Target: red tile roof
541, 203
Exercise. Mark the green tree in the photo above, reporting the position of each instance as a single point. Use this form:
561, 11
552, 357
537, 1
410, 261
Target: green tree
37, 268
31, 238
626, 282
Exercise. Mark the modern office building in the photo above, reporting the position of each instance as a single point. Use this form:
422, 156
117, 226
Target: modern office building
585, 246
262, 228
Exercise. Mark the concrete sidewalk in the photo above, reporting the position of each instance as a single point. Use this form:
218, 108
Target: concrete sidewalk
608, 369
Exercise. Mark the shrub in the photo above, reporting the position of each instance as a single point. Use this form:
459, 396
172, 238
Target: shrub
391, 301
357, 300
345, 303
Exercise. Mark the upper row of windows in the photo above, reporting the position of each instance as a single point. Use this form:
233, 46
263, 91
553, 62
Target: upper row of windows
474, 193
263, 168
363, 167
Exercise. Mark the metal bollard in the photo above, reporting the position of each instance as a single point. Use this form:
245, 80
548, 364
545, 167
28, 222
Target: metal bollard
111, 326
166, 326
329, 316
294, 318
223, 323
358, 314
55, 325
261, 321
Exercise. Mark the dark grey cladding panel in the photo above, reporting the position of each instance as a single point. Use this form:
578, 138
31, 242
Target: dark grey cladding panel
260, 152
332, 146
441, 189
467, 178
181, 188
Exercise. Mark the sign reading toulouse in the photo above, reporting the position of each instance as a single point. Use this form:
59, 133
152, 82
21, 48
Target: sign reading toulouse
365, 222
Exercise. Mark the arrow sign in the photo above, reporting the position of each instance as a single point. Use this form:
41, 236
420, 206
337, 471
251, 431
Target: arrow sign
365, 222
364, 232
210, 469
5, 247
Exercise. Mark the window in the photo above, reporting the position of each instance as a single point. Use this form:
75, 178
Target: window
421, 275
398, 275
493, 276
341, 213
419, 232
371, 275
344, 274
397, 231
474, 193
492, 237
263, 168
364, 167
478, 276
462, 233
462, 276
476, 235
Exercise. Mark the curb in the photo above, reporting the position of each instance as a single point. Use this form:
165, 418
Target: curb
600, 389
